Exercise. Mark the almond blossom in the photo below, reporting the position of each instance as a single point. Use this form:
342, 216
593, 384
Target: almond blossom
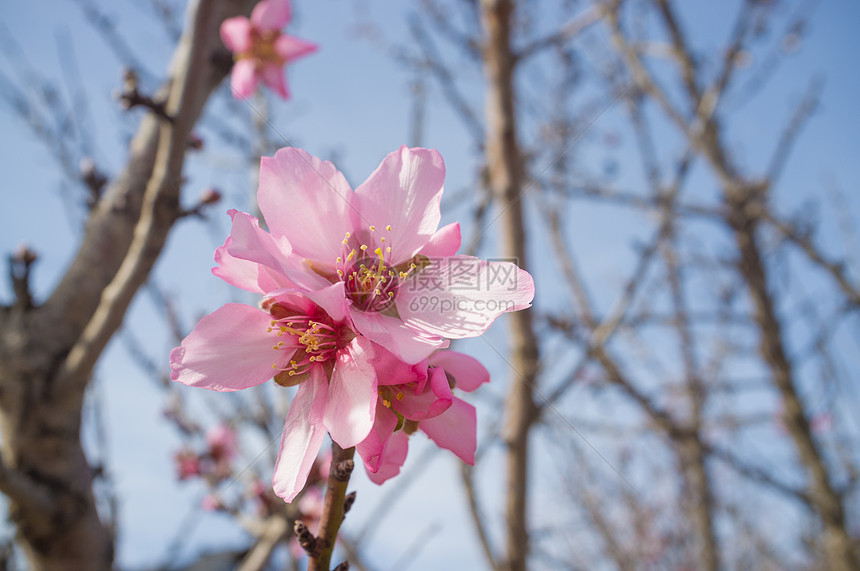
260, 48
360, 290
295, 340
420, 397
380, 245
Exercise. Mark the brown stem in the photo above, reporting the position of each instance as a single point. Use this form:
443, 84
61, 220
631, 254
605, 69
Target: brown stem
333, 509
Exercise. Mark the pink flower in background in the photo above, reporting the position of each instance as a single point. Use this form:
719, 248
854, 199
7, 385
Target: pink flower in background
211, 503
221, 440
260, 48
419, 397
299, 343
187, 464
379, 245
310, 508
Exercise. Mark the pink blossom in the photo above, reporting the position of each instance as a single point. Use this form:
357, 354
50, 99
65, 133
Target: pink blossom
187, 464
343, 274
419, 397
260, 48
294, 339
221, 440
381, 244
211, 503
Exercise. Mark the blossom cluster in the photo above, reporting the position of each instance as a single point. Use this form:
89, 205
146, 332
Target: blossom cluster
215, 461
342, 275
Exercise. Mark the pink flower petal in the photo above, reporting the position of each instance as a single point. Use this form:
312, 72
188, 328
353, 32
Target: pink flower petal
406, 343
372, 448
461, 296
290, 48
467, 371
271, 14
293, 299
243, 80
392, 459
403, 192
272, 75
351, 405
390, 370
445, 242
236, 34
307, 200
456, 430
432, 401
240, 273
332, 299
302, 437
251, 258
228, 350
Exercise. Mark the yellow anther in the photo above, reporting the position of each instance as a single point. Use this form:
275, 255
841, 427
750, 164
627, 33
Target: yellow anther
388, 227
388, 249
403, 275
363, 247
382, 238
391, 294
272, 323
372, 228
339, 272
274, 366
269, 330
412, 266
400, 396
339, 259
291, 373
351, 255
347, 234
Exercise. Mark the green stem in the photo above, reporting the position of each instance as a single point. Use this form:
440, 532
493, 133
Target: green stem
333, 509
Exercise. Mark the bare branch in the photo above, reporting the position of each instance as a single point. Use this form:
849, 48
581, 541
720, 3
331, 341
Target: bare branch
570, 30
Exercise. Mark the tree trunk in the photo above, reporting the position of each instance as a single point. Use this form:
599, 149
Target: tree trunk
504, 164
47, 352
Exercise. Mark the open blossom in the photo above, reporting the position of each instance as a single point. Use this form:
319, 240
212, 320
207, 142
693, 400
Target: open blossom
420, 397
402, 285
361, 289
296, 341
260, 48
